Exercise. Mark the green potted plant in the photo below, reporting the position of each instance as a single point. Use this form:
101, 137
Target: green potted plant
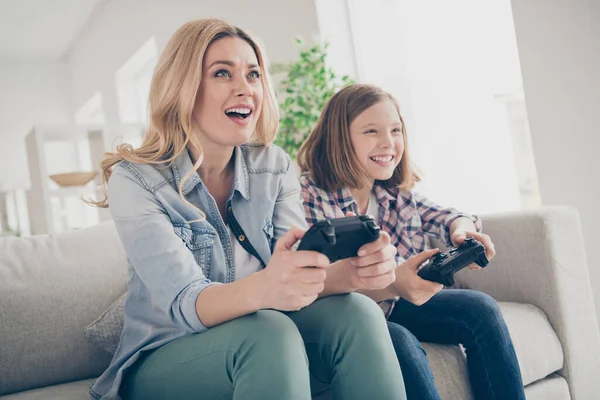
306, 89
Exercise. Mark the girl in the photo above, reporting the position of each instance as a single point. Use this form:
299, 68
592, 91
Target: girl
356, 160
219, 304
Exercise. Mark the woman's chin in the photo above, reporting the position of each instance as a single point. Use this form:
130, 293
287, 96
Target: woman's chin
237, 137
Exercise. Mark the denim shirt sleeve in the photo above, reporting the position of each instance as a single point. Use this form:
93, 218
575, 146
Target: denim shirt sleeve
288, 206
157, 255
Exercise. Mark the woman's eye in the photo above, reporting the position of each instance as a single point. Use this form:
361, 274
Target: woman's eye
222, 73
254, 74
371, 131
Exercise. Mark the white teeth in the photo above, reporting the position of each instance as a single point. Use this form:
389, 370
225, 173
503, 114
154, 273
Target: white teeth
239, 110
382, 158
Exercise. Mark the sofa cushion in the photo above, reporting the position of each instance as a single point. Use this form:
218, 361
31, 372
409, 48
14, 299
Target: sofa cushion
537, 347
449, 367
78, 390
536, 344
51, 288
105, 331
554, 387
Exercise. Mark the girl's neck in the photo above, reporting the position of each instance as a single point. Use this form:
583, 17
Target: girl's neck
361, 197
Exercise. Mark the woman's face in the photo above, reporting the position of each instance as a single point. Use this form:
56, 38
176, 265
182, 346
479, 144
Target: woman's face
230, 95
376, 135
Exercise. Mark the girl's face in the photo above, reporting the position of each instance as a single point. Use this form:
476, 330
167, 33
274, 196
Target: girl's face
376, 135
230, 95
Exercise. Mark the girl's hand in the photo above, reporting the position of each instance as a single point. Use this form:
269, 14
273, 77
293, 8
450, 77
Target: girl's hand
411, 286
288, 284
459, 237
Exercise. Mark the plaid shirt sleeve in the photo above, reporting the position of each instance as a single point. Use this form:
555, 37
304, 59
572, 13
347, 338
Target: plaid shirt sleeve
312, 201
436, 220
315, 208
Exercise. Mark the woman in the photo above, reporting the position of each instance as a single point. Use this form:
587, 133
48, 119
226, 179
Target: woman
356, 160
220, 305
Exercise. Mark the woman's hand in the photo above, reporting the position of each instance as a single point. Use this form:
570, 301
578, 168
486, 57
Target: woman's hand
374, 267
411, 286
459, 236
288, 283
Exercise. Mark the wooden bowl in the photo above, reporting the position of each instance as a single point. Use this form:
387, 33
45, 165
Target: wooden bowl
73, 178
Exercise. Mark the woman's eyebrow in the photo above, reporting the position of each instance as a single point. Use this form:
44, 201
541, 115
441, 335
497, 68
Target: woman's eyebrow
230, 64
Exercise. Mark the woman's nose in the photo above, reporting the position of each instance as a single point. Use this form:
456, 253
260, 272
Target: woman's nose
243, 89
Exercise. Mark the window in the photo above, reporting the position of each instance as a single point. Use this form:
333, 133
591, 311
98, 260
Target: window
92, 112
454, 68
133, 83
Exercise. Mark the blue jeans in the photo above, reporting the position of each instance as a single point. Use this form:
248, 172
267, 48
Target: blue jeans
455, 316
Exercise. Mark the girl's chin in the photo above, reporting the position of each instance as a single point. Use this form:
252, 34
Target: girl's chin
381, 175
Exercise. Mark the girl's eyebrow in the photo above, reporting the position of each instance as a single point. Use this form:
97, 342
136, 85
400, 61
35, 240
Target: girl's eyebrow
368, 125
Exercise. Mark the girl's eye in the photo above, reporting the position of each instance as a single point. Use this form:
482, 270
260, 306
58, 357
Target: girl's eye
397, 131
371, 131
254, 74
222, 73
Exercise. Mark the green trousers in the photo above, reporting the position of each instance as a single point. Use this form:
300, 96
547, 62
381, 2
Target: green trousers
339, 342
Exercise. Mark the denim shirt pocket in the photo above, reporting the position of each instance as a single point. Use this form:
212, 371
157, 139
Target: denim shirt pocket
200, 242
268, 229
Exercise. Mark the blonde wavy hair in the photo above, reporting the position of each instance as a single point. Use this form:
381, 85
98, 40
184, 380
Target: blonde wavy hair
173, 90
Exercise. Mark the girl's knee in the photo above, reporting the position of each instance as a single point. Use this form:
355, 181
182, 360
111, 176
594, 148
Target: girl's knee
484, 310
484, 303
405, 343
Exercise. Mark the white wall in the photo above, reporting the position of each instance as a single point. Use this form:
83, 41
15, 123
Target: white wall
559, 47
119, 28
31, 93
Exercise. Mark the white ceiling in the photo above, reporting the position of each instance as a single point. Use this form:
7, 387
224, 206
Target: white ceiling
41, 29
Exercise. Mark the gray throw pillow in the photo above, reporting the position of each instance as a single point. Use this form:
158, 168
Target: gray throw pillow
106, 330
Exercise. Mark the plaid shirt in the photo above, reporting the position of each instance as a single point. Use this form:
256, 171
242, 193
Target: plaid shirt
406, 216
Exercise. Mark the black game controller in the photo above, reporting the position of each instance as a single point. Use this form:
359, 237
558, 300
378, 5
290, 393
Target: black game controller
442, 266
340, 238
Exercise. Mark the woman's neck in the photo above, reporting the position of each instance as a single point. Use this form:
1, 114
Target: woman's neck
217, 162
216, 171
361, 196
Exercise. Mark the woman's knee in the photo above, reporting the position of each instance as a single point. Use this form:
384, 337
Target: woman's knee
272, 329
355, 312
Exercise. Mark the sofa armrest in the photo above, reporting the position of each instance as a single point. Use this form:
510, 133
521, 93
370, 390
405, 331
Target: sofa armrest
540, 260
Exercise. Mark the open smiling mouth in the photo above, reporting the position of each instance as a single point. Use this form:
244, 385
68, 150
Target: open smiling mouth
238, 113
382, 159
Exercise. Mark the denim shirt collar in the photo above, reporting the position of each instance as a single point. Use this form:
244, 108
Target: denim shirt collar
241, 182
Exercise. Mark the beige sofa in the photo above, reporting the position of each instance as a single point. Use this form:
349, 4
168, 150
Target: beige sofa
51, 288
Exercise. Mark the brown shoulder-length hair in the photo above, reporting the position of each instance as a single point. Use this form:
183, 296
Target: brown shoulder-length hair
328, 154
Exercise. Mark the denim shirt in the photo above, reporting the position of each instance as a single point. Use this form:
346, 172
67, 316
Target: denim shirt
173, 256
